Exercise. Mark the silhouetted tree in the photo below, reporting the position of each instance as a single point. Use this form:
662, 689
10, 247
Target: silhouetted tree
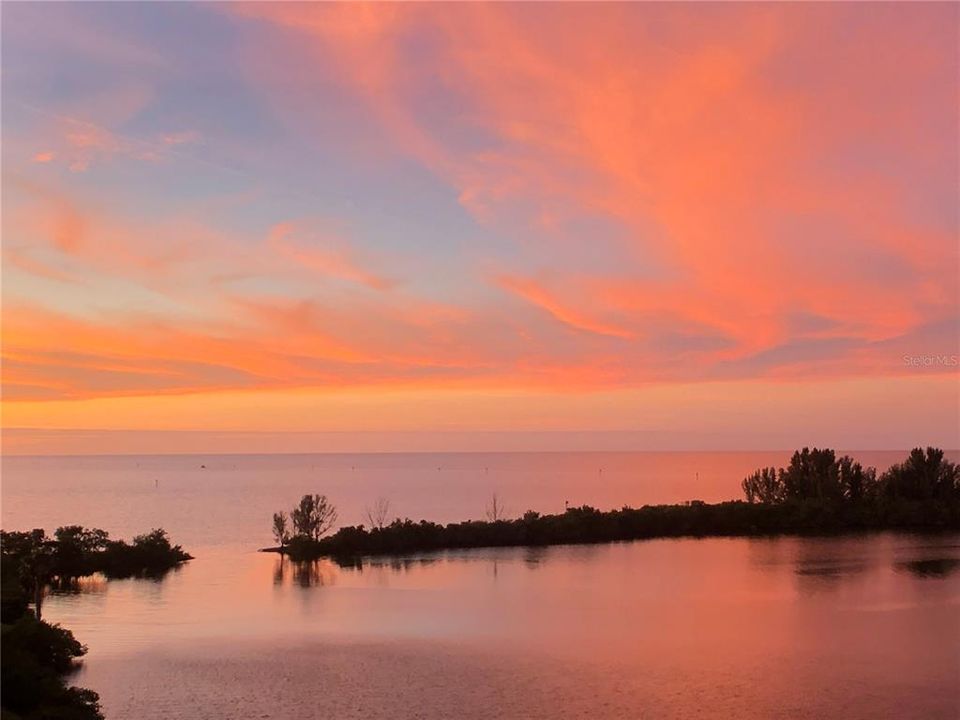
856, 483
495, 510
76, 548
79, 551
924, 475
313, 517
150, 554
812, 474
763, 486
281, 532
30, 557
37, 571
86, 540
36, 658
379, 513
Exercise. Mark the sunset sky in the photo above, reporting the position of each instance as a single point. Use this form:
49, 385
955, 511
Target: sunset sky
673, 226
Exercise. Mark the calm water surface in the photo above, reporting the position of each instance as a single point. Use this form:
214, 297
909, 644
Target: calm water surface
862, 627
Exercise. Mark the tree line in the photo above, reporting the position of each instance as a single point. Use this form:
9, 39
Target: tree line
818, 474
816, 493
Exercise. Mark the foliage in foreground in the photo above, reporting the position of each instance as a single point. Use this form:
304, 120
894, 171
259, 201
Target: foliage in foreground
37, 656
35, 661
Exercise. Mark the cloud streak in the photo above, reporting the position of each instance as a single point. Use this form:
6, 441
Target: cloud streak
495, 197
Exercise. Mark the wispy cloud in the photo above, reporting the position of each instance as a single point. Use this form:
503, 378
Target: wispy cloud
322, 253
534, 293
490, 196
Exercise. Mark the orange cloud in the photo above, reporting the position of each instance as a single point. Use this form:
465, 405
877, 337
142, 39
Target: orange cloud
532, 292
94, 238
674, 197
678, 132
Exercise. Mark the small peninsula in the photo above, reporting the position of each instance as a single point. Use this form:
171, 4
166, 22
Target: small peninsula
817, 493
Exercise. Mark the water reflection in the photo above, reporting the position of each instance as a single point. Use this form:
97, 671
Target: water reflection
306, 574
817, 574
155, 576
92, 585
932, 568
397, 564
324, 572
815, 564
98, 583
548, 631
533, 556
825, 564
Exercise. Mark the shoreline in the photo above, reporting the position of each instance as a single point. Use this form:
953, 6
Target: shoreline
353, 559
588, 526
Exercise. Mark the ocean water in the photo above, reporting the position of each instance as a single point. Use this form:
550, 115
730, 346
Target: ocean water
229, 499
851, 627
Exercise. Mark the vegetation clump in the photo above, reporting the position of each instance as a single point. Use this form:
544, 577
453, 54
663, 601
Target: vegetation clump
818, 474
310, 519
37, 656
75, 551
817, 493
36, 659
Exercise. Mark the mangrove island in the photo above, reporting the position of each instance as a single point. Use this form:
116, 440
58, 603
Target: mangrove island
817, 493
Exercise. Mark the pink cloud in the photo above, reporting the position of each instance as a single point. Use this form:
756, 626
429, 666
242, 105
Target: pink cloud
680, 132
324, 254
184, 137
534, 293
680, 200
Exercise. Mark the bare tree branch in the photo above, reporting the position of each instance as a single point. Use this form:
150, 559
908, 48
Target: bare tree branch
495, 509
379, 513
